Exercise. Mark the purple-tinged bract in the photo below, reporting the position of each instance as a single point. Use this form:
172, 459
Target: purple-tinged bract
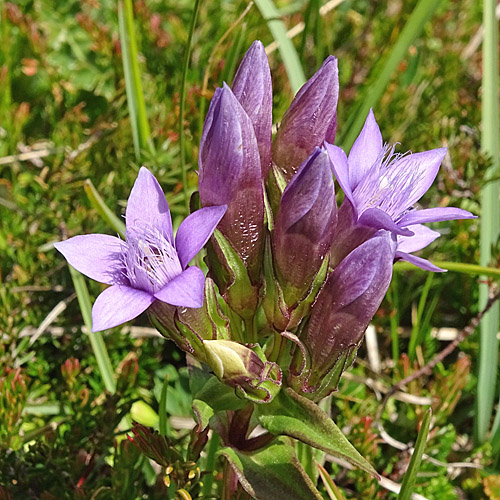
252, 87
150, 264
381, 187
305, 225
310, 120
230, 174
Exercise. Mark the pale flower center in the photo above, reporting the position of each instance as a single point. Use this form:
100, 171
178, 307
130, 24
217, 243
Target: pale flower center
150, 259
386, 185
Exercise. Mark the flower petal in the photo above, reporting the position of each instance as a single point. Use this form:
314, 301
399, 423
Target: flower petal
252, 87
98, 256
365, 151
419, 262
147, 205
420, 169
434, 215
340, 168
378, 219
195, 230
422, 236
310, 120
118, 304
185, 290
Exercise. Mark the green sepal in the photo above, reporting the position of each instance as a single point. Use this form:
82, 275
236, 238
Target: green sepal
233, 279
304, 305
330, 382
207, 322
275, 186
273, 302
272, 472
214, 397
281, 315
293, 415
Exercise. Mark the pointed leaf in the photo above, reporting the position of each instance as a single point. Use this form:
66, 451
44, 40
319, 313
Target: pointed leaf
215, 396
271, 473
295, 416
411, 474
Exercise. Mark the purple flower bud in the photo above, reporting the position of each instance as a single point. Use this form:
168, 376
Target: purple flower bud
230, 170
305, 225
310, 119
252, 87
346, 304
240, 367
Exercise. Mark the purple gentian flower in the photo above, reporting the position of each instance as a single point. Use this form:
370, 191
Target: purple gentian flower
150, 264
305, 225
345, 306
252, 87
310, 119
230, 174
381, 188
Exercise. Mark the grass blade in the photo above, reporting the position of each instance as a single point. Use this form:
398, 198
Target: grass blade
132, 73
414, 337
162, 411
287, 50
383, 71
411, 474
330, 487
490, 223
182, 104
96, 340
104, 211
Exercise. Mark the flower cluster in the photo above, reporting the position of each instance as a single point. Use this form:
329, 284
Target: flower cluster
293, 280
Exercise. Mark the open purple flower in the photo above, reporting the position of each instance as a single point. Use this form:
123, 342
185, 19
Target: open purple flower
150, 264
381, 187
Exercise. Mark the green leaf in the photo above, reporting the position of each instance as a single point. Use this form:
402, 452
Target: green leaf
271, 473
416, 459
293, 415
215, 396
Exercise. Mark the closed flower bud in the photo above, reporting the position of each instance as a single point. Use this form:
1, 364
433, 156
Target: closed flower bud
345, 306
305, 226
230, 170
253, 88
310, 119
240, 367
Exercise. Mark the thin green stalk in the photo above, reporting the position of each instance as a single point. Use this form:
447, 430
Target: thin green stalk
210, 461
414, 337
96, 340
182, 103
416, 459
287, 50
104, 211
459, 267
383, 71
162, 412
394, 318
490, 223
